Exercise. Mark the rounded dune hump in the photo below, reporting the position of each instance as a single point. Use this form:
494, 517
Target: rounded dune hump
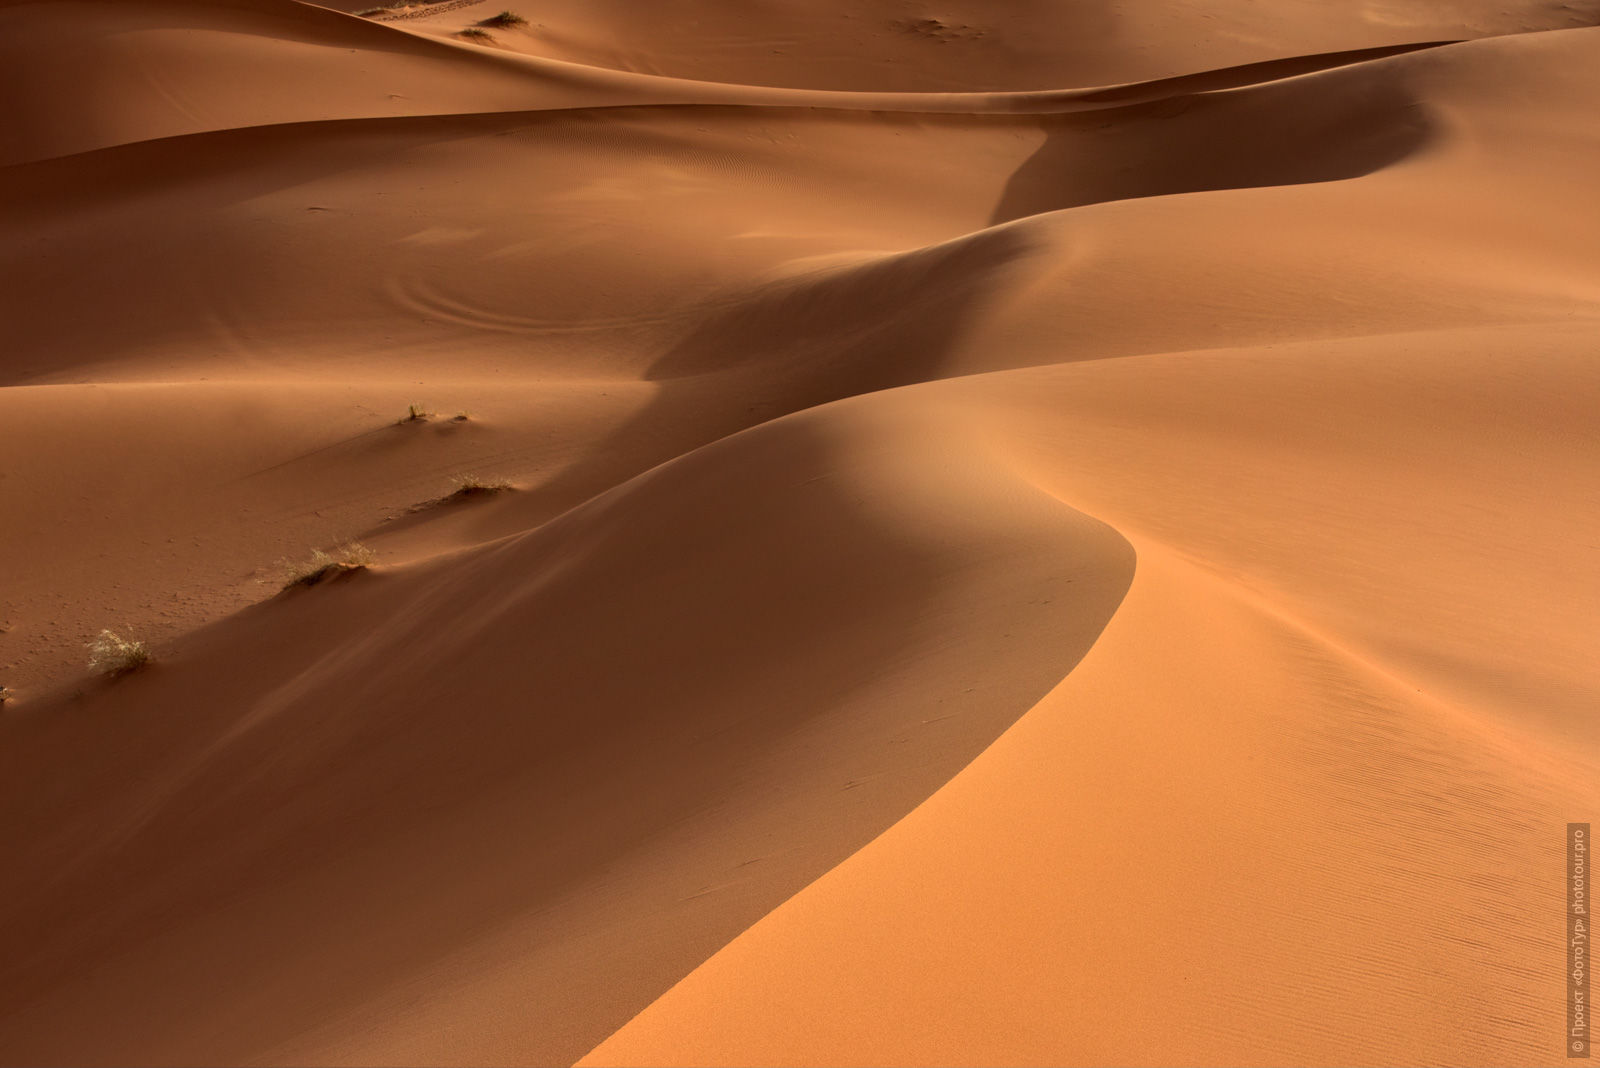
867, 628
102, 72
1318, 127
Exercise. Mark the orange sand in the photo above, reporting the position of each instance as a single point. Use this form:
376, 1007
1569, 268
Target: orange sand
1041, 533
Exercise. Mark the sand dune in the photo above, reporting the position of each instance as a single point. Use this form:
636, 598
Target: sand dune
967, 45
1034, 533
840, 646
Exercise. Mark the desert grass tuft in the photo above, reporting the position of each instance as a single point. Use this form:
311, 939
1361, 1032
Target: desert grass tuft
504, 21
472, 33
113, 655
416, 413
352, 556
473, 486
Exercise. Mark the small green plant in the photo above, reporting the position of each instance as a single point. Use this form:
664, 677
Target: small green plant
416, 413
113, 655
504, 21
472, 33
352, 556
473, 486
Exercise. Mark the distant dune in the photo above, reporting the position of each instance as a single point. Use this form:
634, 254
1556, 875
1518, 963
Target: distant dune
1008, 533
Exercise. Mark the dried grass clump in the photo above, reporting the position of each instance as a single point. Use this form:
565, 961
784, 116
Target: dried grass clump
111, 654
473, 486
322, 566
504, 21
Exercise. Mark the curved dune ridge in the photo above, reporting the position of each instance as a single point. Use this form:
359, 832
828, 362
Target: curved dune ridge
1000, 533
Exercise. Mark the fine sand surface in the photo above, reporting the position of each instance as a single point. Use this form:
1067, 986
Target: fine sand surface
1036, 532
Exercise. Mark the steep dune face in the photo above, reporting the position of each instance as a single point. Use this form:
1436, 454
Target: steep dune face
579, 727
1306, 818
1389, 805
1014, 511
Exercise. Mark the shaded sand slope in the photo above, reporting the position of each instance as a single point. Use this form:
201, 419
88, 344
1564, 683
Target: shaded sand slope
1319, 866
155, 507
266, 231
1364, 576
1352, 684
1483, 222
294, 288
573, 762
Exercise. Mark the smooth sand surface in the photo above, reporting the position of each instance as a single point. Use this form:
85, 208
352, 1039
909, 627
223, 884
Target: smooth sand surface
1036, 533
